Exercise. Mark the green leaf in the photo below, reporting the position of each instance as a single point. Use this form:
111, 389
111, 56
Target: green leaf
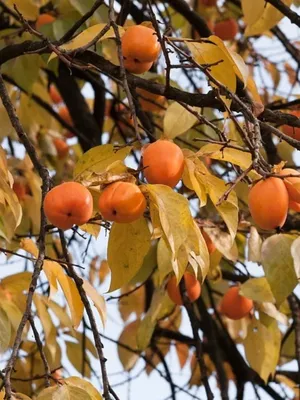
135, 240
84, 385
257, 289
128, 338
262, 347
278, 265
101, 15
97, 159
5, 331
178, 120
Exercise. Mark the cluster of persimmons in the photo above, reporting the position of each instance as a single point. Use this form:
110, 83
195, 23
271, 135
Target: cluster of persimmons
71, 203
123, 202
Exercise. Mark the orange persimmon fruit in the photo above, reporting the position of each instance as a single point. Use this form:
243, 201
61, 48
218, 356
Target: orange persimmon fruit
136, 67
292, 131
163, 162
122, 202
210, 245
55, 95
140, 43
62, 148
150, 102
192, 285
67, 204
268, 203
44, 19
227, 29
235, 306
65, 115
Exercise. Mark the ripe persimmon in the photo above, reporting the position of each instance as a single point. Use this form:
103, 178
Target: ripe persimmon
122, 202
193, 288
292, 131
227, 29
55, 95
235, 306
151, 102
20, 189
163, 162
140, 43
292, 184
136, 67
44, 19
64, 113
61, 147
67, 204
210, 245
268, 203
293, 205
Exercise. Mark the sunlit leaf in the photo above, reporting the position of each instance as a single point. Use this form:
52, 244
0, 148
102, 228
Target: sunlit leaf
278, 265
96, 298
262, 347
257, 289
98, 159
134, 240
85, 385
64, 392
178, 120
5, 331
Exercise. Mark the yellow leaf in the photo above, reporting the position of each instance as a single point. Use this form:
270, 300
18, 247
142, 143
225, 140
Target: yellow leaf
128, 338
46, 321
253, 10
296, 256
161, 305
5, 331
135, 240
20, 396
85, 385
267, 310
223, 72
86, 37
73, 298
97, 299
154, 359
61, 314
98, 159
236, 61
252, 88
174, 213
228, 209
16, 283
217, 152
257, 289
92, 229
27, 8
262, 347
190, 174
278, 266
254, 245
133, 303
13, 312
178, 120
75, 356
269, 18
64, 392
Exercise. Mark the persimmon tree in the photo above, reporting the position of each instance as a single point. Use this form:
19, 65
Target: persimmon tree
171, 128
